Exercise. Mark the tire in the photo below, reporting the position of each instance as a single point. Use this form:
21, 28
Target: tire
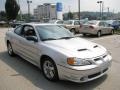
112, 32
10, 49
73, 31
49, 70
99, 34
84, 34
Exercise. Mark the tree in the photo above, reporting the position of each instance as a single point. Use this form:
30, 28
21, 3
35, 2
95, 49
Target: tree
70, 15
2, 16
12, 9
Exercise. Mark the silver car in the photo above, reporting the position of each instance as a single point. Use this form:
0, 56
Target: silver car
58, 53
56, 21
96, 28
72, 25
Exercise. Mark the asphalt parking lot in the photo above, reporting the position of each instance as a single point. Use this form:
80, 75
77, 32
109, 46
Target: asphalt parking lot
18, 74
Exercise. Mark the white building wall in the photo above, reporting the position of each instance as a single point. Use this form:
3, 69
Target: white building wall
53, 13
46, 11
36, 13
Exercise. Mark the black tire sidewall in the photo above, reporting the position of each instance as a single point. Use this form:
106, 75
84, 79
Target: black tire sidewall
84, 34
99, 34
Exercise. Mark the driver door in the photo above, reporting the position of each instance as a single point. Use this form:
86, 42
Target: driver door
102, 27
30, 48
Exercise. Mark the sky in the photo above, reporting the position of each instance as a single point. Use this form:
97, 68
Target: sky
86, 5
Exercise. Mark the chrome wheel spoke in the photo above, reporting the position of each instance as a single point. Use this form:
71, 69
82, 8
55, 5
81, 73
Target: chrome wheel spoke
48, 69
9, 49
51, 73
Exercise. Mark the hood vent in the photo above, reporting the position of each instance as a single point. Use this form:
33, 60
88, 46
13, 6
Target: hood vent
95, 46
81, 49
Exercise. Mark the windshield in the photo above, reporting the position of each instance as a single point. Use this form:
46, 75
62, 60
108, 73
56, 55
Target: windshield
52, 21
51, 32
68, 22
110, 22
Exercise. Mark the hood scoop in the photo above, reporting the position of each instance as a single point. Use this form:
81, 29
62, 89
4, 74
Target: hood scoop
95, 46
82, 49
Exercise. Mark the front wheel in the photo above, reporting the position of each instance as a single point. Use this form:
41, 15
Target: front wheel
99, 34
49, 70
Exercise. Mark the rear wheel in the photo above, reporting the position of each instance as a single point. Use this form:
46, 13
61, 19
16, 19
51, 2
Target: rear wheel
49, 69
112, 32
99, 34
10, 49
73, 31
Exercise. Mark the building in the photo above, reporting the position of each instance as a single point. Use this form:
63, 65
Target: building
35, 13
45, 12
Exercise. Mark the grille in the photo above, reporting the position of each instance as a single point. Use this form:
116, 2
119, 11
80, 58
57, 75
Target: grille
81, 49
94, 75
97, 59
97, 74
105, 70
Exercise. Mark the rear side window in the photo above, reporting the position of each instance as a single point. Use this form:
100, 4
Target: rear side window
18, 30
102, 24
76, 23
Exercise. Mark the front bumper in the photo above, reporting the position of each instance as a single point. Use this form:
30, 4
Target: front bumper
84, 75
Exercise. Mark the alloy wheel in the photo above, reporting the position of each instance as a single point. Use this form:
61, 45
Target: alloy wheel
10, 50
49, 69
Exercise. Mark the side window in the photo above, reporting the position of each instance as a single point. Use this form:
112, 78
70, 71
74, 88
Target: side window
76, 23
101, 24
115, 23
28, 31
18, 30
106, 24
60, 22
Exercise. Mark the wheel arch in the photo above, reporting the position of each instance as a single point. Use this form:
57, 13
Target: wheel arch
44, 57
56, 69
99, 31
72, 29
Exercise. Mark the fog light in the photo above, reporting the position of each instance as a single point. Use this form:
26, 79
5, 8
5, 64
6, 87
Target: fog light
83, 78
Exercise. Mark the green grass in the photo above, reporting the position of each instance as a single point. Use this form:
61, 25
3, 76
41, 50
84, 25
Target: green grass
117, 32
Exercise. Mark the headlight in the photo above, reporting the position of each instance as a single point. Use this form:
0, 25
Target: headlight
78, 62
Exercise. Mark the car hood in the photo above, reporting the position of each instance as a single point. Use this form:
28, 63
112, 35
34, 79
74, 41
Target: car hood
77, 47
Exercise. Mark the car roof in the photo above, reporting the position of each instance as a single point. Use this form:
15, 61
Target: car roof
40, 24
73, 20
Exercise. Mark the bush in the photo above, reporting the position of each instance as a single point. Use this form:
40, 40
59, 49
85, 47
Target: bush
117, 31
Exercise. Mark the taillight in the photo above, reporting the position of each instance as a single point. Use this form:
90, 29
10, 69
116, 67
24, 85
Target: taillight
91, 27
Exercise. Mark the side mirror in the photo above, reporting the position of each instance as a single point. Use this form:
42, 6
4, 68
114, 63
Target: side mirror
32, 38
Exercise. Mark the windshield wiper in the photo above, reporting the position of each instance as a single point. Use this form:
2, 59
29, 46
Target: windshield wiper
48, 39
66, 37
